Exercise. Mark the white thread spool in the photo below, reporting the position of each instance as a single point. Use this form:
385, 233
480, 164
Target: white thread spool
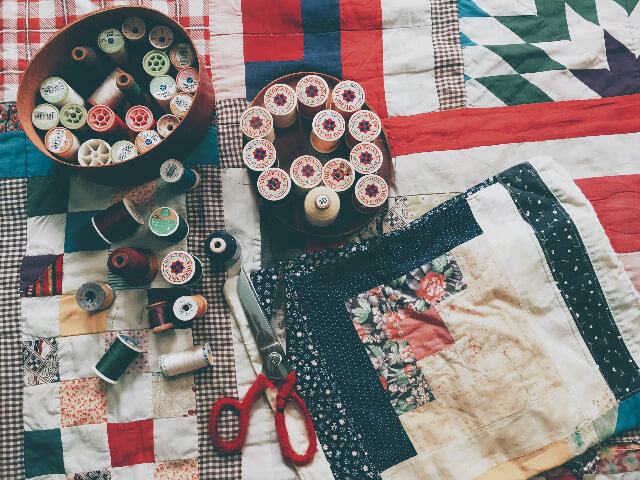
94, 152
108, 92
123, 150
281, 101
258, 155
111, 41
45, 116
186, 361
180, 104
56, 91
62, 142
257, 122
162, 88
146, 140
326, 131
187, 308
321, 206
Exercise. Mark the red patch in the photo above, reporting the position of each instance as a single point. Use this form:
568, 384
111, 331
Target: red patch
131, 443
425, 331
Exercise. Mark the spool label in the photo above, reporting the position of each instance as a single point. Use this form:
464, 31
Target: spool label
110, 40
280, 99
130, 343
45, 116
54, 90
123, 150
161, 37
348, 96
366, 158
256, 122
164, 221
187, 80
171, 170
371, 191
338, 174
306, 171
274, 184
178, 267
259, 154
163, 87
147, 139
312, 90
182, 55
181, 103
365, 126
328, 125
59, 140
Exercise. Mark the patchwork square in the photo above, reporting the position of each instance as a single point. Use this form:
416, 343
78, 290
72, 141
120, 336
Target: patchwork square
43, 452
39, 317
173, 396
186, 469
131, 443
93, 475
75, 321
83, 401
142, 195
142, 363
86, 447
45, 234
82, 267
40, 362
134, 472
166, 430
130, 399
78, 354
86, 196
425, 331
127, 311
47, 195
41, 276
79, 234
41, 408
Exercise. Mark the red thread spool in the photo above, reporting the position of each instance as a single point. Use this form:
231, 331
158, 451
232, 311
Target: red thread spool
117, 222
134, 266
160, 316
102, 119
140, 118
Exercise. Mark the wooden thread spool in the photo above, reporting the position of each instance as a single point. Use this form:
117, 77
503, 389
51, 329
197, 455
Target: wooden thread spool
95, 296
366, 158
131, 90
190, 360
182, 56
111, 41
258, 155
87, 69
364, 126
62, 142
321, 206
160, 316
168, 224
222, 248
108, 92
313, 95
115, 361
347, 98
180, 104
187, 80
94, 152
74, 117
162, 88
139, 119
306, 174
274, 187
156, 63
338, 174
183, 178
189, 307
370, 194
146, 140
123, 150
281, 101
326, 131
161, 37
181, 268
103, 120
257, 122
134, 29
56, 91
117, 222
45, 117
167, 124
134, 266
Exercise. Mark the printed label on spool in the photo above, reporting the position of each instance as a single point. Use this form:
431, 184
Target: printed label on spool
54, 90
280, 99
110, 40
348, 96
365, 126
163, 87
123, 150
306, 171
178, 267
156, 63
147, 139
312, 90
45, 116
164, 221
187, 80
256, 122
328, 125
161, 37
259, 154
274, 184
180, 104
371, 191
171, 170
182, 55
134, 28
366, 158
338, 174
58, 140
130, 343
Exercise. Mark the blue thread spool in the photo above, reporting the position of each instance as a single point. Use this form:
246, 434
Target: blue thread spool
223, 248
119, 356
173, 172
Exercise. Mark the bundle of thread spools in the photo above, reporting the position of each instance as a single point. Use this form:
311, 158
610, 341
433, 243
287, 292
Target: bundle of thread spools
119, 95
334, 115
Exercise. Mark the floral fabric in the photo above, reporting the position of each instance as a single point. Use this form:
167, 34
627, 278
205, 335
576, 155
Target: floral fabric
83, 401
9, 121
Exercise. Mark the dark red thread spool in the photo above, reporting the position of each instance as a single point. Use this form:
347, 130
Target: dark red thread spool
134, 266
117, 222
102, 119
160, 316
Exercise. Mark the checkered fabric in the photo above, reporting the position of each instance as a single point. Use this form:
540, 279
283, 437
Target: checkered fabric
13, 238
205, 213
229, 134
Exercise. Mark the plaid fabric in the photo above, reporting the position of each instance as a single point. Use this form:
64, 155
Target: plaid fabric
13, 238
628, 436
205, 213
229, 134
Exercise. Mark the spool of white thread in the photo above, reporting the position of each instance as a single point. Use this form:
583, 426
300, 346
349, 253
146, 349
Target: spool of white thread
94, 152
56, 91
186, 361
321, 206
108, 92
111, 41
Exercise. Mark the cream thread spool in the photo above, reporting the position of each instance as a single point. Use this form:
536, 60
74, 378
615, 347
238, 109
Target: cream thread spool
306, 174
56, 91
258, 155
45, 117
167, 124
190, 360
108, 92
364, 126
182, 56
338, 174
123, 150
74, 117
187, 80
161, 37
366, 158
162, 88
94, 152
146, 140
134, 29
321, 206
347, 97
281, 101
326, 131
313, 95
111, 42
62, 142
257, 122
156, 63
189, 307
274, 187
370, 193
180, 104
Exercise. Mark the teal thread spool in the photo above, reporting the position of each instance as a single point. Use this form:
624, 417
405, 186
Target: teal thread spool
119, 356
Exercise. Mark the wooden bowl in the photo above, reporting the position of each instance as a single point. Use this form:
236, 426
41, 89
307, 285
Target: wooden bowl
292, 142
84, 31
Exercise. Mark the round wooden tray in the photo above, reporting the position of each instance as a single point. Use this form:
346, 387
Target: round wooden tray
294, 141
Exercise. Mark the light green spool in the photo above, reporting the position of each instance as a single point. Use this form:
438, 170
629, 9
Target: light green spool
156, 63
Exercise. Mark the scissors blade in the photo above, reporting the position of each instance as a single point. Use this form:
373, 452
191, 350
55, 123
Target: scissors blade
274, 362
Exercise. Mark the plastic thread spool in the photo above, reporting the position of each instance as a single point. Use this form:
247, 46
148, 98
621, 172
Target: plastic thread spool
103, 120
181, 268
223, 248
327, 130
120, 355
189, 307
347, 97
95, 297
366, 158
108, 92
87, 68
338, 174
257, 122
274, 186
182, 56
140, 118
62, 142
174, 173
160, 316
161, 37
56, 91
281, 101
146, 140
156, 63
364, 126
306, 173
370, 193
134, 266
117, 222
111, 42
162, 89
321, 206
134, 29
167, 224
123, 150
74, 117
258, 155
94, 152
313, 94
45, 116
167, 124
190, 360
180, 104
131, 90
187, 80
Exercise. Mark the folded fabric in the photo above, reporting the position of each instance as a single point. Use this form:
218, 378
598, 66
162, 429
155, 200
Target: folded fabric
491, 338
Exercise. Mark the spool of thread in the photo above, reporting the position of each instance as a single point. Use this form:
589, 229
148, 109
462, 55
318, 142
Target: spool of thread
281, 101
166, 124
94, 152
338, 174
56, 91
146, 140
187, 308
181, 268
131, 90
123, 150
183, 178
180, 104
87, 69
134, 29
115, 361
182, 56
74, 117
62, 142
167, 224
258, 155
45, 117
321, 206
326, 131
108, 92
223, 248
162, 89
188, 361
156, 63
140, 118
117, 222
347, 97
364, 126
160, 316
257, 122
161, 37
111, 42
103, 120
187, 80
306, 173
95, 297
134, 266
313, 95
370, 194
366, 158
274, 187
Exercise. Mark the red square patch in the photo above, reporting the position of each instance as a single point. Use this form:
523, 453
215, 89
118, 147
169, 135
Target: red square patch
131, 443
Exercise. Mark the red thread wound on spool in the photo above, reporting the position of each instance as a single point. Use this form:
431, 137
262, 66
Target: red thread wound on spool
160, 316
140, 118
102, 119
117, 222
134, 266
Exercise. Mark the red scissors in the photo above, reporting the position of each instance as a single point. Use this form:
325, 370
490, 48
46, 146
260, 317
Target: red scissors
275, 370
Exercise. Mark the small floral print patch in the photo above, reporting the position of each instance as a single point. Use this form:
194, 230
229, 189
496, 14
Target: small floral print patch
177, 470
83, 401
9, 121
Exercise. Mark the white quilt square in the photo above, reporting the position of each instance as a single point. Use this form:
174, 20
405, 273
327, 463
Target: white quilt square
82, 267
85, 195
77, 354
41, 408
126, 312
131, 399
39, 317
45, 234
135, 472
168, 341
166, 430
86, 447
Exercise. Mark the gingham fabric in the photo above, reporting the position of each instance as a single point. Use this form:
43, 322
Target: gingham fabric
230, 135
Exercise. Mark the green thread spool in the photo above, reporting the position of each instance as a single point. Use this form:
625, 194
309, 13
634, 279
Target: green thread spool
74, 117
119, 356
156, 63
132, 91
